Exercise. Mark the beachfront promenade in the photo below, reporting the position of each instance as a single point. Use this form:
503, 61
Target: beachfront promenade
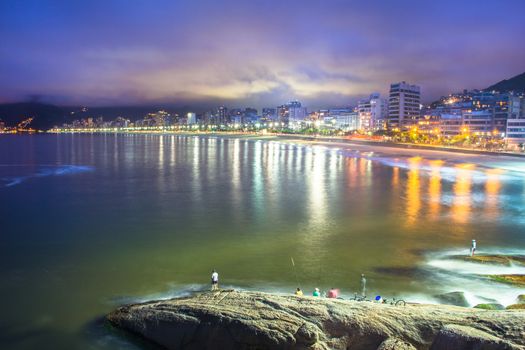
370, 141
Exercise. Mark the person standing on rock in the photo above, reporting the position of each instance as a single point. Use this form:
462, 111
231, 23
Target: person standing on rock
214, 280
299, 292
316, 293
363, 285
473, 248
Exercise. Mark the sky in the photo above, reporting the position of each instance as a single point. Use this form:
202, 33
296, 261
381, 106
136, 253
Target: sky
251, 52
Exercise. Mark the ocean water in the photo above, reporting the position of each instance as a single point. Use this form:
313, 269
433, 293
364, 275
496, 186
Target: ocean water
89, 222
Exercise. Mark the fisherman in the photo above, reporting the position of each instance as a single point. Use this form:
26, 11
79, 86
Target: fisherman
299, 292
363, 285
333, 293
316, 292
214, 280
473, 248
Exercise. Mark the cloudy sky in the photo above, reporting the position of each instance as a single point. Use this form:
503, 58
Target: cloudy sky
251, 52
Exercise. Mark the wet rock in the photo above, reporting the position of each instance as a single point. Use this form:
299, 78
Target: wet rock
250, 320
495, 259
490, 306
516, 307
520, 299
453, 298
517, 280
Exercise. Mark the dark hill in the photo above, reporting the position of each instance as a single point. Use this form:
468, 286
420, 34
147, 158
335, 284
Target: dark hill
45, 116
516, 84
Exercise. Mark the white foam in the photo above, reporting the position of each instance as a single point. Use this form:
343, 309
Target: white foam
47, 170
451, 274
469, 268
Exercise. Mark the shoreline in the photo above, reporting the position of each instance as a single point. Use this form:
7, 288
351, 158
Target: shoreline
315, 138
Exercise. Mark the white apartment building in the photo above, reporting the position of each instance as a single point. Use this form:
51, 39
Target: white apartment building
373, 112
515, 133
404, 105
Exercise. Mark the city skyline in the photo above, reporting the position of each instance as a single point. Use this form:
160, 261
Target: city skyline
254, 54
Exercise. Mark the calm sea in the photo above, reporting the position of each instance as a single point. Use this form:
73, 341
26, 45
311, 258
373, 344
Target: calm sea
89, 222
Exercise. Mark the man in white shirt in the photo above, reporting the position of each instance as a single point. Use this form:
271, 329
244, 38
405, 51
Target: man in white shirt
214, 280
473, 248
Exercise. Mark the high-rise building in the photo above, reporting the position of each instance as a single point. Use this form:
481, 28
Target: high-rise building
236, 115
250, 115
404, 105
159, 118
515, 132
222, 115
283, 114
269, 115
372, 112
292, 112
191, 118
297, 112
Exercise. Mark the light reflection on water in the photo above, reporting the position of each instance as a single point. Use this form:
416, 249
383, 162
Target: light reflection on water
434, 190
413, 204
161, 210
462, 202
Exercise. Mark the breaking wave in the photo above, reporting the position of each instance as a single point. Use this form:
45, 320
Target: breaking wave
450, 274
45, 171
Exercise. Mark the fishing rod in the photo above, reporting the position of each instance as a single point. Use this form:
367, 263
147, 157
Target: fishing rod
295, 273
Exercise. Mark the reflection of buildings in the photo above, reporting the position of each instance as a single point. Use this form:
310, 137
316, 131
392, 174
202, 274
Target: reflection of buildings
434, 189
413, 204
492, 188
461, 205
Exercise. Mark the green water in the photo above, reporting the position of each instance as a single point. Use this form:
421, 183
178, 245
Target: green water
89, 222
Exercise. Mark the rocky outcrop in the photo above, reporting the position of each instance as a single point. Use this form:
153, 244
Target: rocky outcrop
517, 280
249, 320
516, 307
462, 337
490, 306
452, 298
494, 259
